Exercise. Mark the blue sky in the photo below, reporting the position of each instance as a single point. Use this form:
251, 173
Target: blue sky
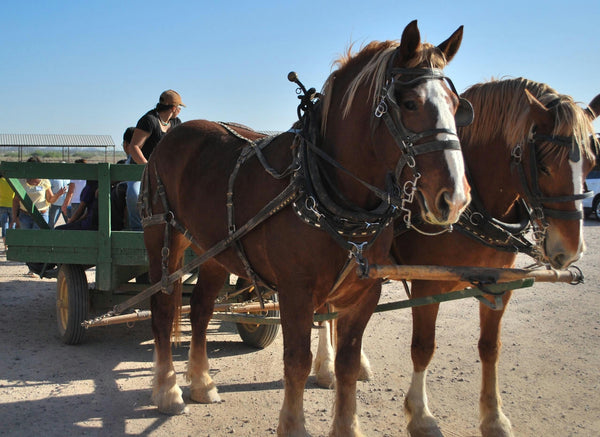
94, 67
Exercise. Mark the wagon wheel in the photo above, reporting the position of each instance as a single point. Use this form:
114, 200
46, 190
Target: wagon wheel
72, 302
256, 335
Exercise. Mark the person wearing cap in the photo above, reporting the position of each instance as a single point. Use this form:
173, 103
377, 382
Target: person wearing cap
148, 132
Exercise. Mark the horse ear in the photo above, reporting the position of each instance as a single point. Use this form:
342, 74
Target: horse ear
411, 39
593, 109
452, 44
540, 114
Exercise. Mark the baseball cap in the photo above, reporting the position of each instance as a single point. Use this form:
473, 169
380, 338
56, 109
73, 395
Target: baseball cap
170, 97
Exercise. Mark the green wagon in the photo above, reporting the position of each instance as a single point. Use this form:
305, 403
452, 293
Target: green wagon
118, 258
120, 263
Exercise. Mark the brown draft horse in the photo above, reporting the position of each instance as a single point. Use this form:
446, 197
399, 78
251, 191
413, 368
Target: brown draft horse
195, 162
554, 137
515, 119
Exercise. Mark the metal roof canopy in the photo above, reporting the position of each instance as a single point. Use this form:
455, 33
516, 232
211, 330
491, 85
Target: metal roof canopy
49, 140
56, 140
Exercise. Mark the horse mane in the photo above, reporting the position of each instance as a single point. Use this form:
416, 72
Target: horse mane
373, 59
502, 111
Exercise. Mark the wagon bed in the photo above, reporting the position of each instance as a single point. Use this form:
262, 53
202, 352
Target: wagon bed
119, 257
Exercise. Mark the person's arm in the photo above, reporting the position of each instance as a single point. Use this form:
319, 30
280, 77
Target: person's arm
68, 198
135, 147
53, 197
79, 213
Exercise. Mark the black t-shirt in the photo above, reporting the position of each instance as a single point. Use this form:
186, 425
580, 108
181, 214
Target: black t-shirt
151, 123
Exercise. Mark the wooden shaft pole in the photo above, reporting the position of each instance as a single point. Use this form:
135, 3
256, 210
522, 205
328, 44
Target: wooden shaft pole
144, 315
470, 274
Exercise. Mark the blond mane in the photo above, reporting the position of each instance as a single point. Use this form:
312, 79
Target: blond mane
375, 56
502, 111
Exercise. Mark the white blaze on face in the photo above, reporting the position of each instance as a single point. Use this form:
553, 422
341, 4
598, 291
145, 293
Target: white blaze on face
577, 173
437, 96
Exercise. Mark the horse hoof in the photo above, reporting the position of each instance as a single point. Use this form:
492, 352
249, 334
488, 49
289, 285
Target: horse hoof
325, 374
326, 379
365, 374
169, 401
498, 428
206, 397
428, 431
298, 433
174, 409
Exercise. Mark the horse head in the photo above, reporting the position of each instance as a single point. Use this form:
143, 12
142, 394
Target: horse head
559, 154
393, 104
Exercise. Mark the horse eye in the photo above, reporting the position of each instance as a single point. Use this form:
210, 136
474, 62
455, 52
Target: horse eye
543, 169
410, 105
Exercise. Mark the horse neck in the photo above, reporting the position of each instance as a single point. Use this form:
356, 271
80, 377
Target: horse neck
350, 140
350, 144
491, 176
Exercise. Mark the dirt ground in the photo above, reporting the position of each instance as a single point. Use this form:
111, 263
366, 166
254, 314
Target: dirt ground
549, 369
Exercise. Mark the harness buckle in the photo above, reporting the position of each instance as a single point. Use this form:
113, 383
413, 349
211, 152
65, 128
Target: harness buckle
357, 252
382, 108
517, 153
476, 218
311, 205
538, 213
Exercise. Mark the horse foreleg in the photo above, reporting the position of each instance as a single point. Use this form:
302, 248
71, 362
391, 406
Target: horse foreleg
210, 281
323, 365
420, 420
365, 373
166, 394
493, 421
350, 329
296, 321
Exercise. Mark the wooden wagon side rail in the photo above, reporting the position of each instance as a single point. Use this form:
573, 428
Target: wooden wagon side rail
103, 248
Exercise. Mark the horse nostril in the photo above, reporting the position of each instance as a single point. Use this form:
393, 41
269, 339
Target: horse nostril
559, 261
443, 204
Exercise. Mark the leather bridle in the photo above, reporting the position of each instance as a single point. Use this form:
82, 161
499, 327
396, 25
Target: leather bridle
533, 194
407, 140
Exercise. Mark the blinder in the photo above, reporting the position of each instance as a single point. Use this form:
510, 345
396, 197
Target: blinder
464, 114
574, 152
